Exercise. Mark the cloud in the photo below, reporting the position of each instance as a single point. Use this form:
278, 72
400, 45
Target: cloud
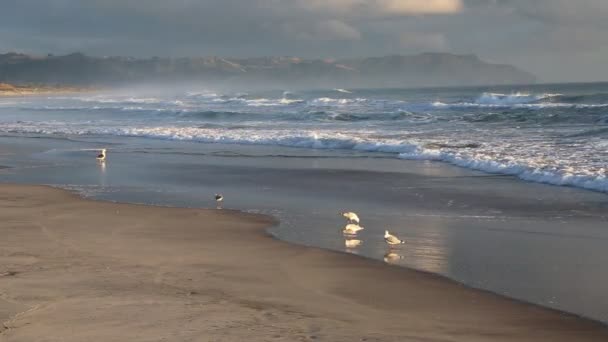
408, 7
557, 39
335, 29
423, 41
383, 7
328, 30
555, 12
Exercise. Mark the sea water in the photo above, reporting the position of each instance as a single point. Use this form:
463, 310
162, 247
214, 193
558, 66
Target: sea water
555, 133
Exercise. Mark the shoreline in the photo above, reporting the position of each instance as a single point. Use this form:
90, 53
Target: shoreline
11, 91
326, 284
275, 221
444, 278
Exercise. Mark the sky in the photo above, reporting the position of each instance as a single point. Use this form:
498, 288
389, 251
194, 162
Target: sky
557, 40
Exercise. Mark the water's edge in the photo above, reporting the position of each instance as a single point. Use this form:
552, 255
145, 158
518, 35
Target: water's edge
276, 223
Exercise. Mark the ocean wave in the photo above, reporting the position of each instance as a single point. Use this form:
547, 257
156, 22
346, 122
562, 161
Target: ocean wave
210, 101
511, 99
533, 106
464, 154
597, 181
312, 116
325, 101
288, 138
603, 131
340, 90
597, 98
529, 101
354, 117
128, 100
592, 116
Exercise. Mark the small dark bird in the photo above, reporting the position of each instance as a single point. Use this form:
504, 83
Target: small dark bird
219, 198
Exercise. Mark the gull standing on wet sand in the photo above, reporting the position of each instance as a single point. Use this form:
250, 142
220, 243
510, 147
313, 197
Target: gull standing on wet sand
392, 239
102, 156
352, 229
351, 217
219, 198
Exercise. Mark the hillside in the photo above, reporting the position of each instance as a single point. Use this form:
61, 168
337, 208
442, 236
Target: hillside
429, 69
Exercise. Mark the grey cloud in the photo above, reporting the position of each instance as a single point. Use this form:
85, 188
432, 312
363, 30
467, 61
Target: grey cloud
556, 39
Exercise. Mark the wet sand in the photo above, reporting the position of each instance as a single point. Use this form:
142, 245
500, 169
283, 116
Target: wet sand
80, 270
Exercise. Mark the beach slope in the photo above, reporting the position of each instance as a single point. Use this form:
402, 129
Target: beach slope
78, 270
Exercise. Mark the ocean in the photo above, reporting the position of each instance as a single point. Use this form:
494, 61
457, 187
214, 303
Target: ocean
499, 188
554, 134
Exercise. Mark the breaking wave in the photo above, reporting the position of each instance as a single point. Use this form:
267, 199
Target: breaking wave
444, 152
529, 101
511, 99
597, 181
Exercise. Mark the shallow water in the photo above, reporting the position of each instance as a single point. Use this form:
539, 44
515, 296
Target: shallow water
530, 241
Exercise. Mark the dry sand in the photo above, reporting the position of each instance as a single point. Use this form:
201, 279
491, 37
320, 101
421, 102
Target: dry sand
79, 270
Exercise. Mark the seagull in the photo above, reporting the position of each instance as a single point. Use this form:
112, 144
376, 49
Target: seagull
352, 229
102, 155
351, 217
219, 198
392, 239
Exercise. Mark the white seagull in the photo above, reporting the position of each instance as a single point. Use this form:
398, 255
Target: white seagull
102, 156
351, 217
392, 239
352, 229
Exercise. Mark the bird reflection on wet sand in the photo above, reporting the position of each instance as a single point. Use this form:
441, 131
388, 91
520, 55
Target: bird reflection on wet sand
351, 245
392, 257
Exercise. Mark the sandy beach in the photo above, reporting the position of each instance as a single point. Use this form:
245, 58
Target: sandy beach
10, 90
73, 270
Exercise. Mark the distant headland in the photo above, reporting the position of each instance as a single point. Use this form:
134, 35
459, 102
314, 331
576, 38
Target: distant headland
421, 70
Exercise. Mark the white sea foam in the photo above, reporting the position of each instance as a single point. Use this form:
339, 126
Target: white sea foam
127, 100
542, 105
511, 99
340, 90
597, 181
517, 101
